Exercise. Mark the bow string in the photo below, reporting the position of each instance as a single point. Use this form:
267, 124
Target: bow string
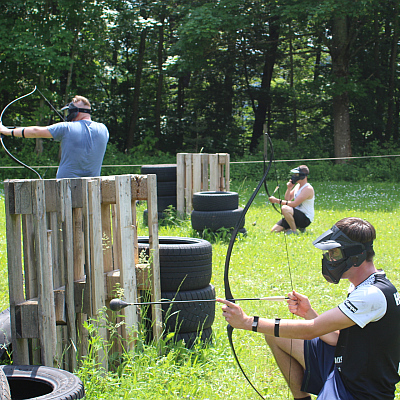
2, 136
228, 291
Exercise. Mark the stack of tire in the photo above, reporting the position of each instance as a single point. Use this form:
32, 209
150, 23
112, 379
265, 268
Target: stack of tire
166, 187
216, 210
185, 273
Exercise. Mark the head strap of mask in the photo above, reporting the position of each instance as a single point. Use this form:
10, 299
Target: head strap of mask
297, 175
73, 111
354, 253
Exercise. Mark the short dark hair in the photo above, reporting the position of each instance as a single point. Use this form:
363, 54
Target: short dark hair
359, 230
304, 169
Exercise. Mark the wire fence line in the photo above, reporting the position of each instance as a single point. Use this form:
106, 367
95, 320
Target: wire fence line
231, 162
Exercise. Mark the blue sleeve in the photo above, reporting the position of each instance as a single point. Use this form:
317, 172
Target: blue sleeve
58, 130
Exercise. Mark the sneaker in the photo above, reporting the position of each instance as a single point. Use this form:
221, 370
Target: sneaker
289, 232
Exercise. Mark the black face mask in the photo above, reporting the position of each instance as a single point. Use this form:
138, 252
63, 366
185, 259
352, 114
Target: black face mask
342, 253
297, 175
73, 111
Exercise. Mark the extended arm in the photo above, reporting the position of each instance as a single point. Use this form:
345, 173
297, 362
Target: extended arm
327, 323
28, 132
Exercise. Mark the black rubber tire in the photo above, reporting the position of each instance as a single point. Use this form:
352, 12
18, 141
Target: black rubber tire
215, 220
185, 263
215, 201
166, 189
190, 338
42, 383
5, 393
164, 202
189, 317
164, 172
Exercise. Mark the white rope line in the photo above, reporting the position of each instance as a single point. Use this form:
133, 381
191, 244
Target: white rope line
231, 162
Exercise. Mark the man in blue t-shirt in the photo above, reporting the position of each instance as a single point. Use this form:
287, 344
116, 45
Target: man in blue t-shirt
351, 351
83, 141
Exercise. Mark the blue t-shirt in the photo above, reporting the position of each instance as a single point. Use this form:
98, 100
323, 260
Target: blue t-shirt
83, 145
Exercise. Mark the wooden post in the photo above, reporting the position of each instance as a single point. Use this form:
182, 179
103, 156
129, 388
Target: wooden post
68, 242
155, 254
47, 320
15, 277
180, 184
126, 251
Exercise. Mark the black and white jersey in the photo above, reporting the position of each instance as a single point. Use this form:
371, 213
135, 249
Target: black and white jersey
368, 353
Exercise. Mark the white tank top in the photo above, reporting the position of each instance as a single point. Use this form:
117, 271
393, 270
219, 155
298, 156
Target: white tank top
307, 206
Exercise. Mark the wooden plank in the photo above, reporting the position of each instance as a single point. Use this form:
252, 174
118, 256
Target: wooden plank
127, 258
196, 173
155, 255
52, 195
28, 232
139, 187
66, 216
143, 279
204, 172
27, 319
20, 197
188, 183
96, 261
227, 172
180, 184
96, 248
15, 276
108, 190
107, 237
214, 175
47, 323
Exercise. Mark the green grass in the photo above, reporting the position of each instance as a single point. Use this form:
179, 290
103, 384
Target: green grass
262, 264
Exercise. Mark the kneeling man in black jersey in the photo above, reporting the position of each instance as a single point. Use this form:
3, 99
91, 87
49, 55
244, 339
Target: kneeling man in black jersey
351, 351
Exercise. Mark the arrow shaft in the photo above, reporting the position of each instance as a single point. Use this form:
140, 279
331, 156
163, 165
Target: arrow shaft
272, 298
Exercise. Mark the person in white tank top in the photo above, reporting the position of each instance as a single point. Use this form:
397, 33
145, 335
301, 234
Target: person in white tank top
298, 205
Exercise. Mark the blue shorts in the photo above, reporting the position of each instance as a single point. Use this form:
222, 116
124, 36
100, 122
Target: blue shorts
321, 377
300, 220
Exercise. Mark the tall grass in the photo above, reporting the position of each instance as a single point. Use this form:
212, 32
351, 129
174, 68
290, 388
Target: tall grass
262, 264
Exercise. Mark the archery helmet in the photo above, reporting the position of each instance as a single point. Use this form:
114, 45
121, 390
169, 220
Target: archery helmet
298, 173
73, 111
341, 254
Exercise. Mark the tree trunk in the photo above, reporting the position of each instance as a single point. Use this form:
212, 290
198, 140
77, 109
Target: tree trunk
160, 62
264, 99
340, 67
392, 72
136, 95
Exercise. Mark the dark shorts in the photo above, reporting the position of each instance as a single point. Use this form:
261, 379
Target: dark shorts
300, 220
321, 377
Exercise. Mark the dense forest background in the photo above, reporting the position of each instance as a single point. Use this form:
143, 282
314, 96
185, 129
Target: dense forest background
322, 78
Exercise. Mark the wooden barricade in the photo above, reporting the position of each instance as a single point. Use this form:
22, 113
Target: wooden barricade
69, 242
200, 172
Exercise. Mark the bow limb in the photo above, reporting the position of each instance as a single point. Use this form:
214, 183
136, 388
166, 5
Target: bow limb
228, 291
1, 138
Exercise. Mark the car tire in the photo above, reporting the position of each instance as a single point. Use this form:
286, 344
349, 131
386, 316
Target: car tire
215, 220
185, 263
189, 317
42, 383
215, 201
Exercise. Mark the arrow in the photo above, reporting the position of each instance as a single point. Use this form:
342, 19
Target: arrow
118, 304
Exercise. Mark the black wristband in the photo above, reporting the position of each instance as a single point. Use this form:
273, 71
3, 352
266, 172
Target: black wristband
254, 325
276, 329
22, 133
12, 132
